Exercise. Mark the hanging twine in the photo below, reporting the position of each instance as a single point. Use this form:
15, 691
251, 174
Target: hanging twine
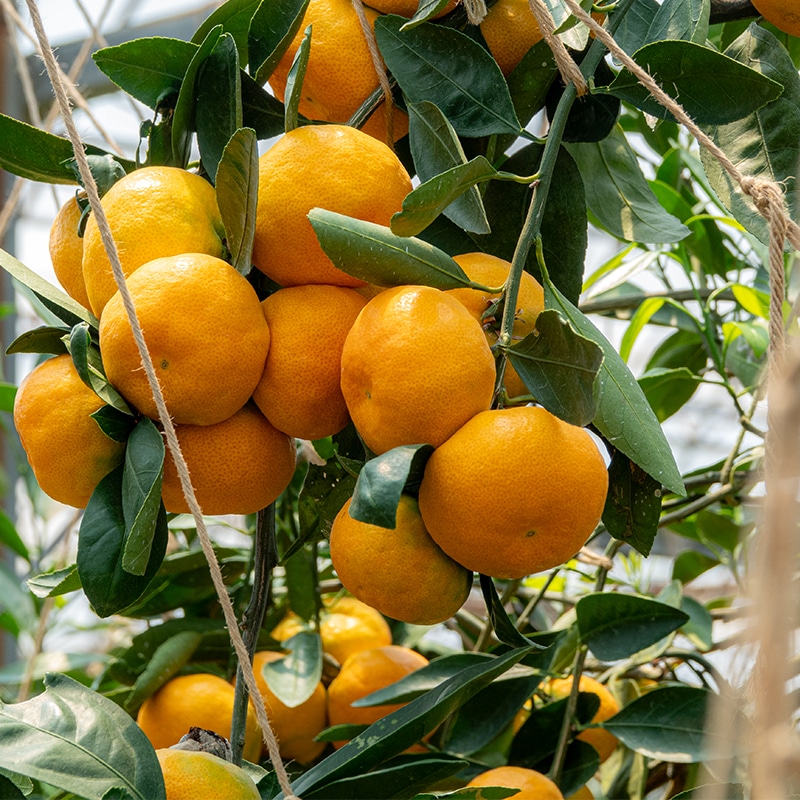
570, 72
476, 11
172, 440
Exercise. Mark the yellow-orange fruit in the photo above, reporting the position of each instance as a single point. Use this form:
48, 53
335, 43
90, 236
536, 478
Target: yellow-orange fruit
532, 785
510, 30
407, 8
189, 774
66, 251
783, 14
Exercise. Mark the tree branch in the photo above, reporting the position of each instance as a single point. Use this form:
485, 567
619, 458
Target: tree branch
730, 10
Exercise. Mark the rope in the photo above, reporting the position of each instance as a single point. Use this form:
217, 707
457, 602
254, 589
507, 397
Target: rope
380, 69
163, 413
476, 11
570, 72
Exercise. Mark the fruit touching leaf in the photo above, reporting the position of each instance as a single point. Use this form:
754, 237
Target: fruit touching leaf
294, 82
427, 9
325, 490
616, 626
295, 677
44, 339
235, 17
272, 29
115, 424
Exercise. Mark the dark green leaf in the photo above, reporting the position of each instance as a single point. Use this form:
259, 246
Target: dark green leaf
725, 791
426, 10
690, 564
55, 583
9, 790
382, 480
580, 764
101, 543
632, 31
237, 195
668, 390
559, 367
374, 254
624, 416
504, 628
712, 88
295, 677
106, 171
339, 733
616, 626
77, 740
147, 69
114, 423
531, 80
679, 19
682, 349
472, 793
261, 111
10, 538
218, 103
618, 194
301, 580
633, 504
235, 17
294, 82
446, 67
167, 660
325, 490
272, 29
765, 144
141, 495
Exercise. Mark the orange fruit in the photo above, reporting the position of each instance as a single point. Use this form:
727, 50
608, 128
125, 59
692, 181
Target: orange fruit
783, 14
296, 727
189, 774
237, 466
205, 331
67, 450
532, 785
364, 673
299, 391
335, 87
327, 166
200, 700
402, 572
492, 271
514, 491
153, 212
347, 626
66, 251
415, 368
407, 8
584, 793
602, 740
510, 30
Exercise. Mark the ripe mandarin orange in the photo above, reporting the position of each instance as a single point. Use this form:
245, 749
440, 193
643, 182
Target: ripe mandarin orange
415, 367
237, 466
510, 30
205, 331
407, 8
200, 700
584, 793
299, 391
191, 774
153, 212
532, 785
66, 449
492, 271
783, 14
334, 167
514, 491
66, 251
364, 673
295, 727
347, 626
402, 572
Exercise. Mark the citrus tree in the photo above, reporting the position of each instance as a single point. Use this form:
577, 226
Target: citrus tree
374, 351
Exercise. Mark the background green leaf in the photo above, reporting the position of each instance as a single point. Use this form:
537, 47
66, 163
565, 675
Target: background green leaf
295, 677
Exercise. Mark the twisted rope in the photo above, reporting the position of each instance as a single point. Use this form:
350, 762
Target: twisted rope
570, 72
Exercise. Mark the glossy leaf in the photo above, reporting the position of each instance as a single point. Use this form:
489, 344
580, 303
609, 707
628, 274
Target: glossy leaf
633, 504
115, 424
447, 68
616, 626
559, 367
88, 364
426, 10
325, 490
294, 82
504, 628
55, 583
679, 19
712, 88
148, 69
235, 17
382, 480
374, 254
618, 194
237, 195
272, 29
624, 416
295, 677
668, 390
75, 739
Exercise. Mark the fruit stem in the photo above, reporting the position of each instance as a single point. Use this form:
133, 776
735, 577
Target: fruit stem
265, 558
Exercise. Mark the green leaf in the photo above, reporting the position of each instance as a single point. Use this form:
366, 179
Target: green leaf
447, 68
9, 790
61, 304
691, 564
765, 144
397, 731
373, 253
712, 88
301, 581
294, 82
79, 741
668, 390
580, 764
633, 504
261, 111
725, 791
699, 628
272, 29
633, 30
426, 10
295, 677
114, 423
235, 17
669, 725
618, 194
559, 367
237, 195
183, 120
148, 69
141, 494
167, 660
10, 538
382, 480
16, 602
36, 155
531, 80
55, 583
679, 19
218, 103
101, 543
471, 793
504, 628
616, 626
8, 393
325, 490
624, 416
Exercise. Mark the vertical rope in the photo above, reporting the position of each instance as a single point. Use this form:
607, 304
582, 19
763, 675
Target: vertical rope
570, 72
169, 429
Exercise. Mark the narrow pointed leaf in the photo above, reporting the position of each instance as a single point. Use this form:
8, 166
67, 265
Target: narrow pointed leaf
235, 17
261, 111
295, 677
114, 423
55, 583
272, 29
11, 538
294, 82
504, 628
44, 339
426, 10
